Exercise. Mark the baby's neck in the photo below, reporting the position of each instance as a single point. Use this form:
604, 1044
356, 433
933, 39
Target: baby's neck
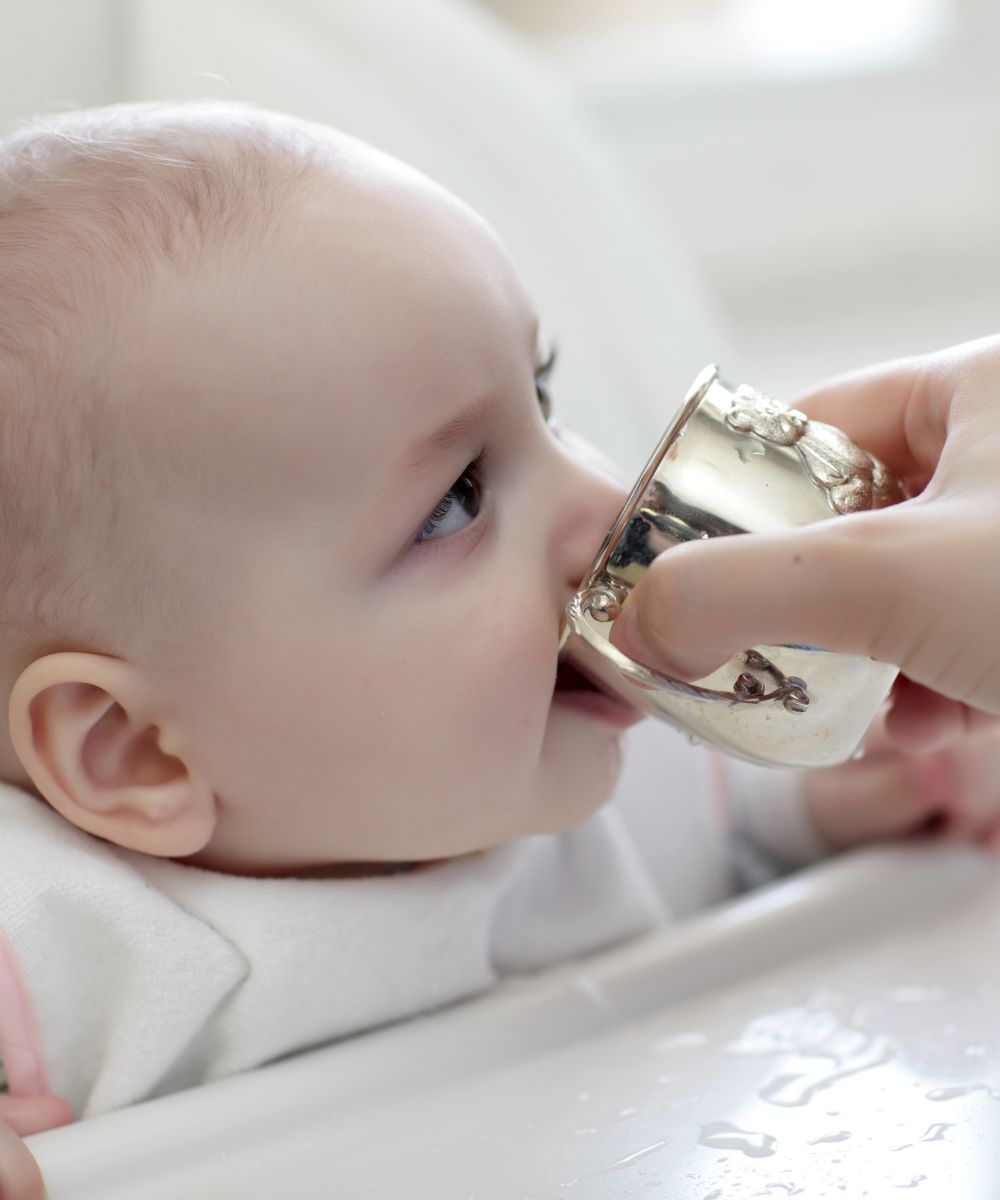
368, 870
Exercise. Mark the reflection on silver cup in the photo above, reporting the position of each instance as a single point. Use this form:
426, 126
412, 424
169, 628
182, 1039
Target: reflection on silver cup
735, 461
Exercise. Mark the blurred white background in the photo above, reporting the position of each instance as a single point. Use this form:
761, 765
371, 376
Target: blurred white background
832, 165
825, 174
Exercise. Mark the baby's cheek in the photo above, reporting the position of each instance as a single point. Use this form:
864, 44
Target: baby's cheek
507, 690
506, 706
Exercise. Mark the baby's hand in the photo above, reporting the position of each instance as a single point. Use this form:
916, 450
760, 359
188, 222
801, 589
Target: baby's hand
20, 1178
953, 793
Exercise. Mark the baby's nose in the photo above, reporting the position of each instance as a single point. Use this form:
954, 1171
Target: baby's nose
593, 497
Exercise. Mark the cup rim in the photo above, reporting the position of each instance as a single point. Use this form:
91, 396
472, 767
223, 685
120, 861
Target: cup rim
706, 377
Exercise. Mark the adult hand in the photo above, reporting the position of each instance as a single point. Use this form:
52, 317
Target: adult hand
917, 585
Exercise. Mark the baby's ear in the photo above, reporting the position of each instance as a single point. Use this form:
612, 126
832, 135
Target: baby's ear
89, 732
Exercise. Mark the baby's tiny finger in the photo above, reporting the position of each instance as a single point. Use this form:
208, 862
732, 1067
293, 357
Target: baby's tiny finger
34, 1114
20, 1178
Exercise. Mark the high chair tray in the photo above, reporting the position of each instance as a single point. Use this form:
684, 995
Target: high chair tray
832, 1035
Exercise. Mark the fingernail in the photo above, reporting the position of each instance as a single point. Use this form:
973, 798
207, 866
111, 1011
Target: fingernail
627, 636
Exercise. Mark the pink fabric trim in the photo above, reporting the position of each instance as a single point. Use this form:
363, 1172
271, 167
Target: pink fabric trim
19, 1048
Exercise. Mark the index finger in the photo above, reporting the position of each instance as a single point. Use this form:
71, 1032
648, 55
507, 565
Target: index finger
897, 411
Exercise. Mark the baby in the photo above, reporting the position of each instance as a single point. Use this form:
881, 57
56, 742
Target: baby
288, 528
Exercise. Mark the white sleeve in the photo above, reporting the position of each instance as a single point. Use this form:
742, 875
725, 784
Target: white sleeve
772, 831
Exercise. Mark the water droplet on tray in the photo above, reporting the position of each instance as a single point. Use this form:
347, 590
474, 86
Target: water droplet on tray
626, 1161
841, 1135
953, 1093
720, 1135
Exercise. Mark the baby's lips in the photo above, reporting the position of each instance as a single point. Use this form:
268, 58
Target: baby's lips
577, 687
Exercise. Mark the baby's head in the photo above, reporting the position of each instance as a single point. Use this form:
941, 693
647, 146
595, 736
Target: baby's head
286, 535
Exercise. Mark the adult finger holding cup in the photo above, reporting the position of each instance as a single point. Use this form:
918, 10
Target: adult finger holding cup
916, 584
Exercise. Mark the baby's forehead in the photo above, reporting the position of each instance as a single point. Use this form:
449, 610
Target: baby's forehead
376, 304
399, 237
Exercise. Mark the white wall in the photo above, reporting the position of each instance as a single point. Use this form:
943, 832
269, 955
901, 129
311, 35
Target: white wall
836, 220
58, 53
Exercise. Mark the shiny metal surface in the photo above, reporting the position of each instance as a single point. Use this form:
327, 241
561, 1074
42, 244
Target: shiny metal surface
734, 461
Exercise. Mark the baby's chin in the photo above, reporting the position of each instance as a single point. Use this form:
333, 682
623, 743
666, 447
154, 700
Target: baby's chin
578, 774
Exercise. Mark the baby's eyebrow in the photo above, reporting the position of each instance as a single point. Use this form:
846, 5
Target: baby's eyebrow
423, 455
461, 428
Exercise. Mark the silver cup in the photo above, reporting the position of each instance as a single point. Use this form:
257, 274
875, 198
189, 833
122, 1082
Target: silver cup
734, 461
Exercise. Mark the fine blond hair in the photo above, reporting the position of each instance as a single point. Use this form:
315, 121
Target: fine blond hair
92, 204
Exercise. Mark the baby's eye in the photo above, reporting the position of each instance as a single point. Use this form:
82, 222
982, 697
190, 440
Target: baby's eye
457, 508
542, 375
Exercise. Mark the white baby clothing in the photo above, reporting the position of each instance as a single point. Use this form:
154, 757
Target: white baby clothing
124, 977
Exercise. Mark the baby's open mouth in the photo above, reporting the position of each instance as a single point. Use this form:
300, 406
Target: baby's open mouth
569, 679
575, 688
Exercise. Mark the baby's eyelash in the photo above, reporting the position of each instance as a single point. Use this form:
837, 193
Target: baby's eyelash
473, 473
469, 485
542, 374
544, 370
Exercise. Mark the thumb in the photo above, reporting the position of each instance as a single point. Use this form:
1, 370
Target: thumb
836, 584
